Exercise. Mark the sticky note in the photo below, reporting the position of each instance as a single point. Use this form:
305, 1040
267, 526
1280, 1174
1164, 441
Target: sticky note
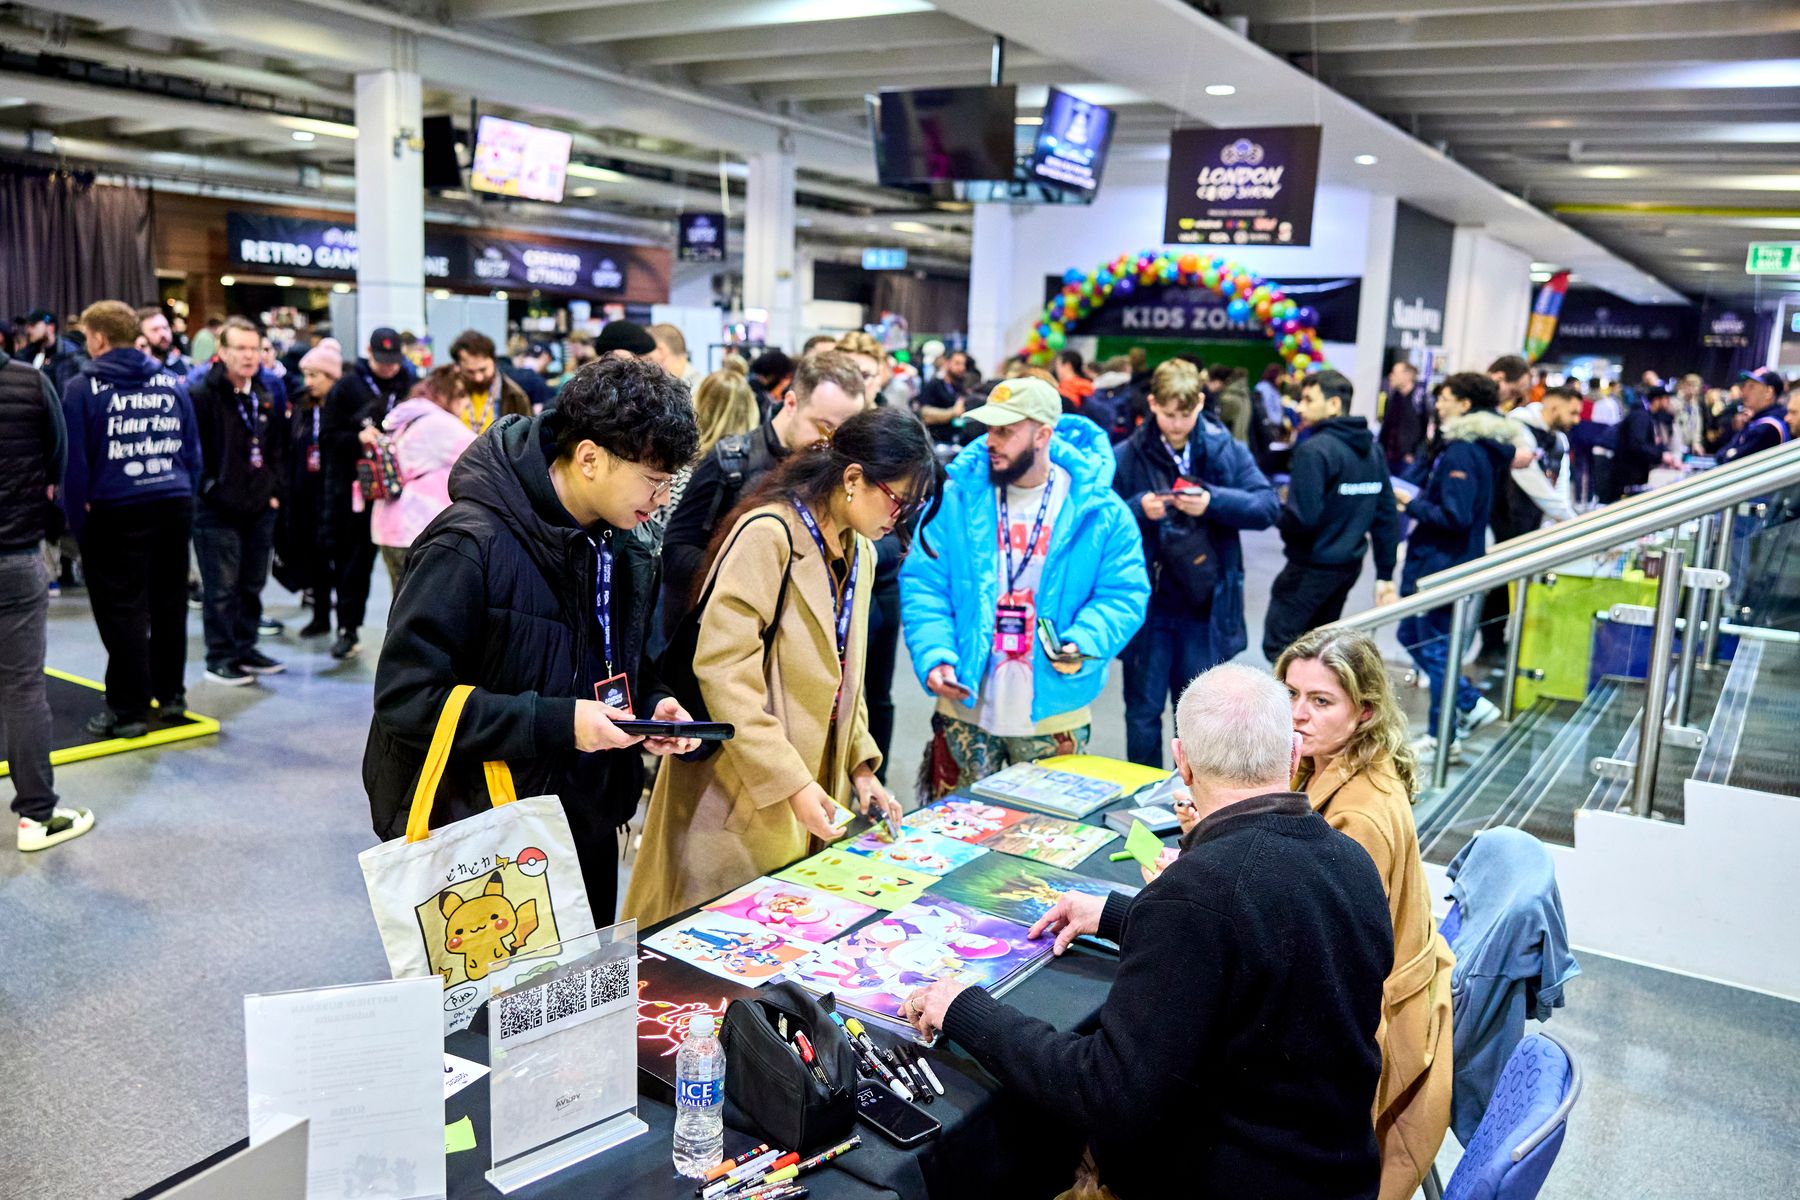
459, 1136
1142, 844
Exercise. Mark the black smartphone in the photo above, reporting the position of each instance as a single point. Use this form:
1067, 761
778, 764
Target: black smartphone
892, 1117
706, 731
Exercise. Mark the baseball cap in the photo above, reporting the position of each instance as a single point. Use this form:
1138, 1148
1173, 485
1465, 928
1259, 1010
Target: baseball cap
628, 336
384, 346
536, 348
40, 316
1022, 399
1768, 375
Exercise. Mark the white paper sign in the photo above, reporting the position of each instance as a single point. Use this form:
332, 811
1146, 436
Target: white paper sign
459, 1073
360, 1063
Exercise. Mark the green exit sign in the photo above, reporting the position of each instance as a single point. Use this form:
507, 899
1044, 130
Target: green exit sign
1773, 258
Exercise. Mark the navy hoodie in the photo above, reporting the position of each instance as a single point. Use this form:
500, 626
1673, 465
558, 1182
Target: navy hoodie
1340, 499
132, 435
1450, 513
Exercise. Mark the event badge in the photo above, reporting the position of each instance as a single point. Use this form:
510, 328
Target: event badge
614, 692
313, 465
1012, 630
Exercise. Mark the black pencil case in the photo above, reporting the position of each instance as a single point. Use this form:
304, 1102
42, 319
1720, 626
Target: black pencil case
769, 1089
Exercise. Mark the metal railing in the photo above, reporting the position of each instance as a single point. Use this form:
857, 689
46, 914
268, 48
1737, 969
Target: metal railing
1711, 498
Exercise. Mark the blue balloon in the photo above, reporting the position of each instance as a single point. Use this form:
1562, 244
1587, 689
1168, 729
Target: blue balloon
1074, 275
1308, 316
1125, 285
1238, 310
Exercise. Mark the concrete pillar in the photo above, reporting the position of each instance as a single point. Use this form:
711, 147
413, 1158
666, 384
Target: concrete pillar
1489, 301
997, 312
390, 201
770, 281
1372, 312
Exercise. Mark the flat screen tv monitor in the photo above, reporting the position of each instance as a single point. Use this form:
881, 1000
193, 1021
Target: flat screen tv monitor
443, 173
1072, 140
943, 135
515, 159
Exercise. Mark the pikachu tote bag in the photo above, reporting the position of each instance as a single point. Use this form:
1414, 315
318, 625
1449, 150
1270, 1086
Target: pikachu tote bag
460, 901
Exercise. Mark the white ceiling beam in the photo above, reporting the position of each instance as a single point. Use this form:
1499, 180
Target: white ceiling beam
1573, 26
1776, 76
1515, 60
904, 31
820, 89
1561, 103
463, 11
870, 64
1306, 12
85, 102
1598, 137
668, 18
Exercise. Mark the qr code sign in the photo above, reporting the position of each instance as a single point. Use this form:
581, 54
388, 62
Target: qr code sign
565, 997
612, 982
521, 1012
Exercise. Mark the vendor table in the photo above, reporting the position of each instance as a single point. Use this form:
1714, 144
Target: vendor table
992, 1144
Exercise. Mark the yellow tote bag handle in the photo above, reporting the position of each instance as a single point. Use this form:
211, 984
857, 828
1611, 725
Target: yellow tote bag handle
499, 778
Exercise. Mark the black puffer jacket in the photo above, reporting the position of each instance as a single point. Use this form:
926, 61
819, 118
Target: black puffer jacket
1340, 499
499, 593
33, 450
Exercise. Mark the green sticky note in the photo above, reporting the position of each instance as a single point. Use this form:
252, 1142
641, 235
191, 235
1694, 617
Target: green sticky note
1142, 844
460, 1136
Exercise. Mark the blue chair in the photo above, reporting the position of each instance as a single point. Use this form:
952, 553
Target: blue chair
1522, 1130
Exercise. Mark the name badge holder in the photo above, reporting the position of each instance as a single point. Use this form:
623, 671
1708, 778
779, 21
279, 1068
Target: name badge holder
1013, 622
562, 1045
615, 690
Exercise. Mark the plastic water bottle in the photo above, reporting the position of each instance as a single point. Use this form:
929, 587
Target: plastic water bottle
699, 1100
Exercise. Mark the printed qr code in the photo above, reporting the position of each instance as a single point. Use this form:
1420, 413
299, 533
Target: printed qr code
565, 997
521, 1012
612, 981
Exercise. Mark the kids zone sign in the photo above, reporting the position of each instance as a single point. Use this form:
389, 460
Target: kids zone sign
1193, 313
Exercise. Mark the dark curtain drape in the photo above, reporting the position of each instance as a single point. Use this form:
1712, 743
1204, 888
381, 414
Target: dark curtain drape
934, 304
66, 242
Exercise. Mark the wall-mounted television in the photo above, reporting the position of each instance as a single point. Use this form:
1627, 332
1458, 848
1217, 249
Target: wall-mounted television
515, 159
1071, 144
928, 136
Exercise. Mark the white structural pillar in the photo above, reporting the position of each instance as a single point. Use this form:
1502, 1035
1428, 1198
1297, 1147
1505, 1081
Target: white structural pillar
769, 257
1489, 300
1372, 312
390, 201
994, 304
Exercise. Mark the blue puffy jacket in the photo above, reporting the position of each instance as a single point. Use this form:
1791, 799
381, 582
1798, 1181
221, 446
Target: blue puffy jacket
1093, 588
1450, 513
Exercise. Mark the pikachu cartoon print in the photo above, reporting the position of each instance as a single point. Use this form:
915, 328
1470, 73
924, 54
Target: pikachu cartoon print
485, 930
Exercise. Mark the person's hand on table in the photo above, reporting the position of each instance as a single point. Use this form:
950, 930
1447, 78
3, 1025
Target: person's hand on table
813, 807
669, 709
872, 800
925, 1009
1073, 914
594, 728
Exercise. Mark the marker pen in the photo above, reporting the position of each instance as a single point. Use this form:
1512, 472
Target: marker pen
732, 1164
925, 1066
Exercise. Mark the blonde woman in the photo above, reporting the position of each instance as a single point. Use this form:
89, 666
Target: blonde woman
871, 362
1357, 768
724, 406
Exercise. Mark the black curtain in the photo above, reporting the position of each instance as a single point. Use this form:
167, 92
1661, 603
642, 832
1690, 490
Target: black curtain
934, 304
66, 242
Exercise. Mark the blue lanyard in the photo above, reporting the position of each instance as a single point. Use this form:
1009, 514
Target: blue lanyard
1183, 460
846, 599
1037, 527
603, 577
247, 413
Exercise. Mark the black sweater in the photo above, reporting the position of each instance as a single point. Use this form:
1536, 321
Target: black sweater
233, 482
1236, 1054
1339, 498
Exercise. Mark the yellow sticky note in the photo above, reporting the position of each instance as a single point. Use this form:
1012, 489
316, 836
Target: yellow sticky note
459, 1136
1142, 844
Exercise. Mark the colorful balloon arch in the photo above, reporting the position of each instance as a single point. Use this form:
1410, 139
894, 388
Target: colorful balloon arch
1292, 327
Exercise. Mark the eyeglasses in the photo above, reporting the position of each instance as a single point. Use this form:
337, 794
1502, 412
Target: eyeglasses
901, 507
658, 487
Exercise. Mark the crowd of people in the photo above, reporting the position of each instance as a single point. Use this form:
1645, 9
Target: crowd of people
749, 545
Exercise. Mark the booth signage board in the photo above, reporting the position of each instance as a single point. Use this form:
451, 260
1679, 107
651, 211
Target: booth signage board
1724, 329
1773, 258
1197, 314
593, 271
1420, 287
1592, 315
884, 258
1242, 187
1070, 149
274, 245
700, 237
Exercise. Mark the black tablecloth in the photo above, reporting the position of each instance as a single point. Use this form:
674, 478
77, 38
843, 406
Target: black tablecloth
992, 1145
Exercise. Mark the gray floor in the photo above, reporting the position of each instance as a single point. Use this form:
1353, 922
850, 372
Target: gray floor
228, 865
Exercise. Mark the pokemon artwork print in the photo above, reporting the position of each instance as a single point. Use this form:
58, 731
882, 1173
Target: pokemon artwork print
490, 911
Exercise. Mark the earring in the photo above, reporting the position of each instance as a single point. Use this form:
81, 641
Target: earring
849, 492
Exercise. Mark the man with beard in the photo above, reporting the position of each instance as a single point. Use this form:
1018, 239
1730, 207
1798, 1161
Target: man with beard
59, 357
1069, 555
492, 394
159, 338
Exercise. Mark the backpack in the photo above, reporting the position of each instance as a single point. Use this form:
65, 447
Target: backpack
378, 472
734, 458
1110, 409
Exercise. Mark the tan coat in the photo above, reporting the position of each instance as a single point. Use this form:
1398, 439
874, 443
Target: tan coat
718, 824
1412, 1102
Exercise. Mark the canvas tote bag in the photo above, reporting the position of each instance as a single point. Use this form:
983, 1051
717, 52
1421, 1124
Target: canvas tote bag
460, 901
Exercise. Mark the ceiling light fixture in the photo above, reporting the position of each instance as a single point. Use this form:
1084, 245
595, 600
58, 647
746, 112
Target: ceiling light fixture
441, 294
228, 281
1028, 120
1221, 89
1366, 160
284, 281
342, 289
499, 295
912, 227
336, 129
582, 193
302, 135
603, 174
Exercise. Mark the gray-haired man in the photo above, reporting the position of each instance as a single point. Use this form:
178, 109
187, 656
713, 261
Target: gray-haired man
1266, 942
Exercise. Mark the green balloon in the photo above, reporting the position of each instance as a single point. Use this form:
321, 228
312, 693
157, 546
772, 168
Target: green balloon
1056, 339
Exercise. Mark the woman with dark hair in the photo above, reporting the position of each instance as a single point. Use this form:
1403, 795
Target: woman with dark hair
780, 655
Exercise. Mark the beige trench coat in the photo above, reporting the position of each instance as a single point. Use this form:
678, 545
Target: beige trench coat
717, 824
1412, 1102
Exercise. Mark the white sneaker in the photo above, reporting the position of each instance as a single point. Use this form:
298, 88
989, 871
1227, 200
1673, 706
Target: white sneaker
1425, 750
64, 823
1485, 713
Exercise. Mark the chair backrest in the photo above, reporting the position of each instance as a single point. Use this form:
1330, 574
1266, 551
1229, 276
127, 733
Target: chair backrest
1522, 1130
